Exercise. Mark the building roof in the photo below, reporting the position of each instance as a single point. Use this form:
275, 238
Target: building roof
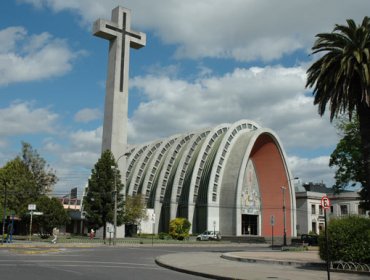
317, 187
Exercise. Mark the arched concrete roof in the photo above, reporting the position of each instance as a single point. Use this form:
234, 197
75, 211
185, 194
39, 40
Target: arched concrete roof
150, 184
135, 154
200, 176
182, 180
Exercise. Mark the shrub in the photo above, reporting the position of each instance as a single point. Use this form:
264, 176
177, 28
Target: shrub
163, 235
349, 240
179, 228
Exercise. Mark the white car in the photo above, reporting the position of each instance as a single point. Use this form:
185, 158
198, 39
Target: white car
209, 235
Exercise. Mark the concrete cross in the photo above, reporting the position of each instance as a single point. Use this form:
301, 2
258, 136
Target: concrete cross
121, 38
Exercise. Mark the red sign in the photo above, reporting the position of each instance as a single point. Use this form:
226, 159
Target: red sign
325, 202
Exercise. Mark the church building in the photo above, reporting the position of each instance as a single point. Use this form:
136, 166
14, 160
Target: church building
231, 178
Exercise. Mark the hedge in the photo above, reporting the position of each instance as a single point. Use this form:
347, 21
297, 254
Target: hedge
349, 240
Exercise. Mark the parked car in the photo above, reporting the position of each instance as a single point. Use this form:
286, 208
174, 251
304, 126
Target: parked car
209, 235
310, 239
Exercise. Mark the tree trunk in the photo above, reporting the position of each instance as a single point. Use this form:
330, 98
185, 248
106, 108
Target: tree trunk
104, 231
364, 118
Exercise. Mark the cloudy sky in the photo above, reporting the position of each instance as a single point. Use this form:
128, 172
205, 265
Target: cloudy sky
206, 62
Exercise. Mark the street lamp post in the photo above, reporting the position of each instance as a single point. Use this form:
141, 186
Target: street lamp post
284, 215
115, 198
115, 208
4, 217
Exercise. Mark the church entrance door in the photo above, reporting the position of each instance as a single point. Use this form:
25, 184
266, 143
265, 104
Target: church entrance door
249, 224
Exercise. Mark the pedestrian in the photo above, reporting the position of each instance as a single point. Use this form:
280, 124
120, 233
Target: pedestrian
92, 234
55, 235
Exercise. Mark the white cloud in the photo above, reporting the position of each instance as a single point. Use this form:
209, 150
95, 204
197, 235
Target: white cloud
23, 118
50, 146
32, 57
312, 169
9, 37
244, 30
87, 114
80, 158
76, 158
89, 10
72, 175
87, 140
272, 96
3, 144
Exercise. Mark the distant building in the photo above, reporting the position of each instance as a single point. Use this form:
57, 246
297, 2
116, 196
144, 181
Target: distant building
310, 214
73, 205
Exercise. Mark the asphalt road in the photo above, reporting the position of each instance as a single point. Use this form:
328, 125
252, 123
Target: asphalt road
103, 263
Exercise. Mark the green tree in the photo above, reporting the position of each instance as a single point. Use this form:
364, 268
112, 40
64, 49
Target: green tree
135, 210
179, 228
43, 174
19, 186
54, 214
347, 156
341, 79
24, 179
99, 200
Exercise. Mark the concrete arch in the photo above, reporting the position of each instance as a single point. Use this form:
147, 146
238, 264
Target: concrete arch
181, 182
134, 157
229, 143
139, 172
170, 162
165, 181
150, 184
201, 171
268, 157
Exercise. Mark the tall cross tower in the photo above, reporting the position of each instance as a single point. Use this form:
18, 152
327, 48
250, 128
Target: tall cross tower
120, 36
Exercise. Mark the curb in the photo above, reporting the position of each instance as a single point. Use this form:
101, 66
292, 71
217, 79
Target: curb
230, 257
192, 272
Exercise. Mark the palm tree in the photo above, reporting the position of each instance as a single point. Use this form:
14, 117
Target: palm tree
341, 77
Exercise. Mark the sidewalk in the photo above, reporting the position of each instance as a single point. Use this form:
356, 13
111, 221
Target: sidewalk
304, 265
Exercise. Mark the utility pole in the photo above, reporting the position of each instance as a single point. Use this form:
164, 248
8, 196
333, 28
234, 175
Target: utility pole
115, 197
284, 215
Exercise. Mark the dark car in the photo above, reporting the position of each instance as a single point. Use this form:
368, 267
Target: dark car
310, 239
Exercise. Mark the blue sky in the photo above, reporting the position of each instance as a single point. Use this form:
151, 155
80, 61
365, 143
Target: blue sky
205, 63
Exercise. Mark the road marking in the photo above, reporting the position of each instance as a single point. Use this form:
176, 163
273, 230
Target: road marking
77, 262
84, 265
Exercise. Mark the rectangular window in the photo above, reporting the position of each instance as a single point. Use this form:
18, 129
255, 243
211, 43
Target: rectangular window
331, 209
314, 227
344, 209
214, 197
313, 209
321, 212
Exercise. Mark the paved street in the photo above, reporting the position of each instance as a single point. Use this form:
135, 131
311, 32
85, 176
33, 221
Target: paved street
87, 263
217, 261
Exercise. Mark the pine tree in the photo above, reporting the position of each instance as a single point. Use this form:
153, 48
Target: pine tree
99, 200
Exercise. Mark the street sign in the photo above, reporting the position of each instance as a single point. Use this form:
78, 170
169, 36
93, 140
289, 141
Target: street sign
38, 213
272, 220
325, 202
32, 207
